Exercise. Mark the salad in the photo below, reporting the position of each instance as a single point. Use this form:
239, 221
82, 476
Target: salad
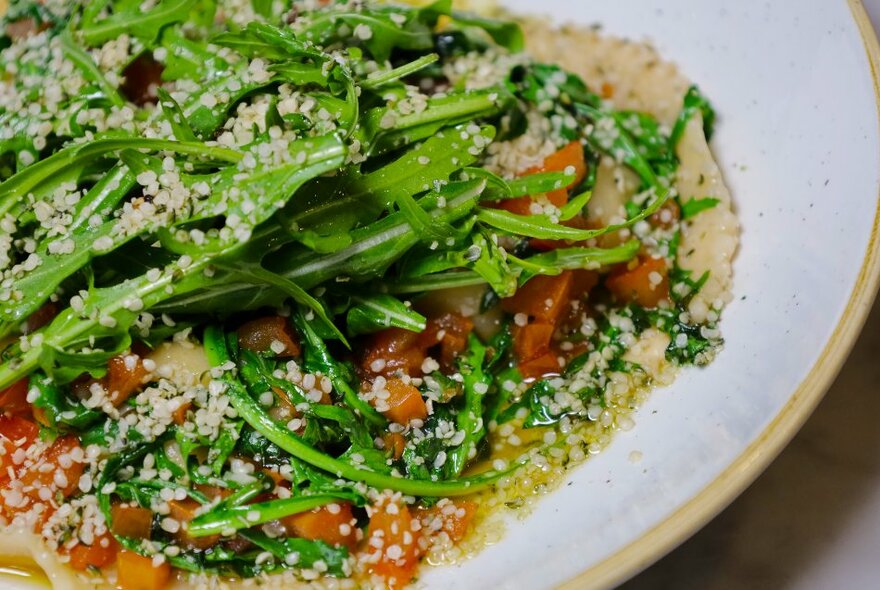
308, 291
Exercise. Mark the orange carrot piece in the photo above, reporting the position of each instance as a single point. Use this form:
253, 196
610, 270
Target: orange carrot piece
532, 340
261, 334
571, 155
392, 350
646, 283
391, 525
450, 331
131, 521
13, 399
334, 524
55, 469
404, 402
183, 511
394, 444
20, 431
179, 415
15, 433
667, 215
125, 375
542, 366
100, 553
396, 349
582, 282
543, 298
137, 572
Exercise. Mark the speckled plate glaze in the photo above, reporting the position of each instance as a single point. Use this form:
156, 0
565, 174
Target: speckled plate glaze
795, 88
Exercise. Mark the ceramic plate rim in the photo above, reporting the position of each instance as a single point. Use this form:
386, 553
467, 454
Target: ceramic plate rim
696, 512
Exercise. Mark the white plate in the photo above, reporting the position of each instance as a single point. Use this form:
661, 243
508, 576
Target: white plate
798, 142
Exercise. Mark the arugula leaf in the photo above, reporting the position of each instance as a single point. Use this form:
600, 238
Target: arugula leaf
544, 227
380, 311
318, 358
506, 33
142, 24
470, 417
693, 206
309, 552
251, 412
360, 198
694, 102
222, 519
59, 409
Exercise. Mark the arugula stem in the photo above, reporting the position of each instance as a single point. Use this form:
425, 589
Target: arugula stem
249, 410
225, 520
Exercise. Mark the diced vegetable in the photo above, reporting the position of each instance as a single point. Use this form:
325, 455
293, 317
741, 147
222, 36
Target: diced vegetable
13, 399
125, 375
546, 301
404, 402
100, 553
450, 331
17, 430
58, 469
393, 543
179, 415
569, 158
394, 443
15, 433
646, 283
270, 335
334, 524
542, 366
532, 340
667, 216
396, 349
131, 521
583, 282
391, 350
183, 511
136, 572
543, 298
